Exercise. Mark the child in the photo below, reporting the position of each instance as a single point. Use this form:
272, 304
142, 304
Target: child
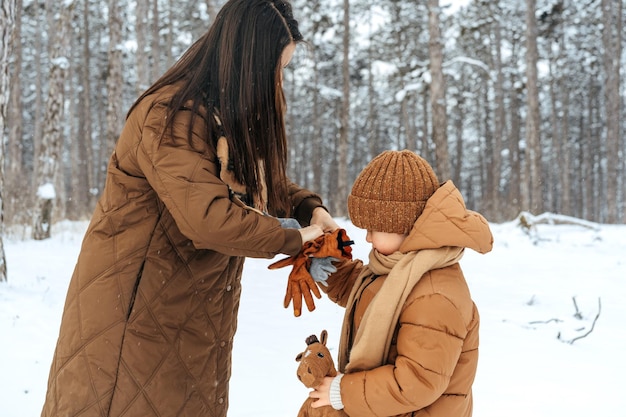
409, 343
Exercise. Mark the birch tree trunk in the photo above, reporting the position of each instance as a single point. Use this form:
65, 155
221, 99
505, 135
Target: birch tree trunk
500, 121
438, 92
114, 79
141, 31
85, 145
533, 128
344, 128
14, 199
7, 21
50, 148
611, 39
14, 112
155, 70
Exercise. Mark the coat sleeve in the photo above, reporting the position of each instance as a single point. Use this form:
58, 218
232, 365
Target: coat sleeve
340, 283
303, 203
185, 176
429, 343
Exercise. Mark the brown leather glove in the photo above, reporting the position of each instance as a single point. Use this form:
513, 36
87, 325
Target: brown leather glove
335, 244
300, 284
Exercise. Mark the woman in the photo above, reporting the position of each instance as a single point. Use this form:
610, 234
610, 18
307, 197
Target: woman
150, 314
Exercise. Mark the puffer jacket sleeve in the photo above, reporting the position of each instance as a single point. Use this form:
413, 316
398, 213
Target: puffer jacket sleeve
429, 343
340, 283
185, 176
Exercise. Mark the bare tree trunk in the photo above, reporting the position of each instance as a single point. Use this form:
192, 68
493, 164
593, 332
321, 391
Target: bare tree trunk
438, 92
499, 124
85, 145
317, 132
566, 194
14, 199
487, 183
211, 9
344, 128
155, 50
169, 40
141, 31
457, 166
14, 112
611, 39
7, 21
79, 203
373, 137
49, 152
425, 151
515, 197
114, 77
587, 158
39, 95
533, 128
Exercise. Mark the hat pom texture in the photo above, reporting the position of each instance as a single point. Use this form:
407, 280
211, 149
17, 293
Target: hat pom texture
391, 192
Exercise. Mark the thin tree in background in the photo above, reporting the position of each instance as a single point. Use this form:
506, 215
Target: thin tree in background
114, 79
344, 128
50, 148
14, 200
86, 158
155, 50
499, 134
142, 58
611, 39
438, 92
7, 20
533, 128
14, 112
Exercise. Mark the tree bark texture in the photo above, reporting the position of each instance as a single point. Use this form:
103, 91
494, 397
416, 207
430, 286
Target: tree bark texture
7, 21
49, 152
611, 38
533, 118
438, 92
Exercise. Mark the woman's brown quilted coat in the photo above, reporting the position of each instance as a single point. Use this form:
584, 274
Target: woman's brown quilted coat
151, 310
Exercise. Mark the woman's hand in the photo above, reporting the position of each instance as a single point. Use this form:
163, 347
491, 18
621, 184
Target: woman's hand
311, 232
323, 219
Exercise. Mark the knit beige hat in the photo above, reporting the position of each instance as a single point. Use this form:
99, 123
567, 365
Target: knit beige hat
391, 192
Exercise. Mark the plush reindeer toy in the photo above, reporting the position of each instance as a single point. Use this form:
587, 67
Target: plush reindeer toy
316, 363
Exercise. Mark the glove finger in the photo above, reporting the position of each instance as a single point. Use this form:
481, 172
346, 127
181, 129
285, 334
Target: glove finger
306, 293
297, 301
317, 270
288, 295
308, 285
313, 287
329, 269
327, 266
282, 263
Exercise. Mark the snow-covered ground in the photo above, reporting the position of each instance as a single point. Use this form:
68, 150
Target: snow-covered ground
535, 294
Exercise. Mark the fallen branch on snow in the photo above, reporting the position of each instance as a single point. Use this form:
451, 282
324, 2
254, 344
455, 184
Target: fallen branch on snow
578, 315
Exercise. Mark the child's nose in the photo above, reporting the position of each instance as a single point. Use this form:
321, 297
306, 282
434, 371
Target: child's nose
368, 237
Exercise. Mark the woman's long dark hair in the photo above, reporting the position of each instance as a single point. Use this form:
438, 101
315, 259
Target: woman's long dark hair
235, 68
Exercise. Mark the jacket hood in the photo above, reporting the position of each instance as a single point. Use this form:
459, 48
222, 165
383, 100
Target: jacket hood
446, 221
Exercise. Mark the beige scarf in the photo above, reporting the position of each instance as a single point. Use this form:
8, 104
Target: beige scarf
373, 339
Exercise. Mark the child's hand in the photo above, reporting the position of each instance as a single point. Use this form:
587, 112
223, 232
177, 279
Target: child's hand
322, 393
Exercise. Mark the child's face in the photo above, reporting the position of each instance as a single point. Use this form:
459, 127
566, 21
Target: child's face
385, 243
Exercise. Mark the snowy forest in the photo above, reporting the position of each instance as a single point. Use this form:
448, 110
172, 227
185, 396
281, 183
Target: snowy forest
519, 102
